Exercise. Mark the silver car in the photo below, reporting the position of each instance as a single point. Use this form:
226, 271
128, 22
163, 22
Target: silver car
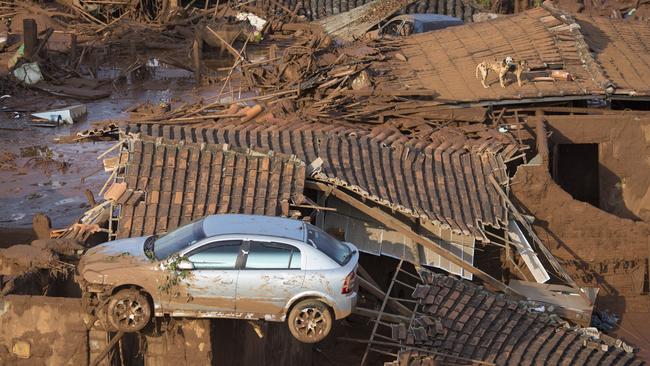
226, 266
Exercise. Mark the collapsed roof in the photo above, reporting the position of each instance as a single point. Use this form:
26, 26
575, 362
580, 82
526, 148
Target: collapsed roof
184, 181
602, 56
381, 165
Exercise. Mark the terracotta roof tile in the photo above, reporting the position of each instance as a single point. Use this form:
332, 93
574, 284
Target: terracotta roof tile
183, 181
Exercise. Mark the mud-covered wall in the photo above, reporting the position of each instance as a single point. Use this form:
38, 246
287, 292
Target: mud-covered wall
236, 343
40, 330
597, 248
186, 342
624, 158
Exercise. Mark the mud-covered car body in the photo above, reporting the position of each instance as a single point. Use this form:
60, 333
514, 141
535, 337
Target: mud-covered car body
229, 266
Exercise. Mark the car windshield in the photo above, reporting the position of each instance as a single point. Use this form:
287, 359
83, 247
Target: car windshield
333, 248
178, 239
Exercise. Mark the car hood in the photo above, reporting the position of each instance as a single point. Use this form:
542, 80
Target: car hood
118, 254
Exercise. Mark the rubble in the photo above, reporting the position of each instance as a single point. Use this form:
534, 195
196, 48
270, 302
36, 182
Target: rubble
67, 115
537, 191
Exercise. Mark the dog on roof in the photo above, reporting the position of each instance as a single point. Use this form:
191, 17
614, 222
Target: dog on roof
500, 67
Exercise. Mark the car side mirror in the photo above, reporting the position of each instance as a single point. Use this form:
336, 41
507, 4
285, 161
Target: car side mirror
185, 265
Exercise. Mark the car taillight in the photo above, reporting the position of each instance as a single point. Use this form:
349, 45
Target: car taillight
349, 283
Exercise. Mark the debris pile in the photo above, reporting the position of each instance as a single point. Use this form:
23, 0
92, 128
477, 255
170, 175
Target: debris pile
404, 146
459, 322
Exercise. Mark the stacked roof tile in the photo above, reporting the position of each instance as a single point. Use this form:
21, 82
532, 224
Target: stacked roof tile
622, 49
183, 181
442, 180
463, 321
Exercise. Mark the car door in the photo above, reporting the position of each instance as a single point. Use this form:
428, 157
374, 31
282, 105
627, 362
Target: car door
270, 275
209, 288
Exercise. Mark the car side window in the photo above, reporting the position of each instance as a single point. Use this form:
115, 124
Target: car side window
217, 255
265, 255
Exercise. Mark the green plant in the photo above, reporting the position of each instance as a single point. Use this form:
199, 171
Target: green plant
485, 4
175, 275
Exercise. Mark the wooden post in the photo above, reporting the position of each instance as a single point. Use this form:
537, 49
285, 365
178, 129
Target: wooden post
30, 37
73, 49
196, 55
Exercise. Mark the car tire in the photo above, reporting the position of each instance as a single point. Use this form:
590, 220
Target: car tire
129, 310
310, 321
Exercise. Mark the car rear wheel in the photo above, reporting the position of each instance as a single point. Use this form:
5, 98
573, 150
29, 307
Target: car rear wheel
310, 321
129, 310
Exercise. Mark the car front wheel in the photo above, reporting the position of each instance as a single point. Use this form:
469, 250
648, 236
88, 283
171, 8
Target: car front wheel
310, 321
129, 310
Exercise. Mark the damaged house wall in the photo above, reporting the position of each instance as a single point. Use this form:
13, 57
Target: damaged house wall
237, 343
184, 342
42, 330
372, 237
624, 177
597, 248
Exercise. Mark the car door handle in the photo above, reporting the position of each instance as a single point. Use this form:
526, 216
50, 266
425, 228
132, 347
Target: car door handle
227, 282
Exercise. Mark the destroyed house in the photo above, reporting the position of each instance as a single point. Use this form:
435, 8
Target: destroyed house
570, 59
443, 185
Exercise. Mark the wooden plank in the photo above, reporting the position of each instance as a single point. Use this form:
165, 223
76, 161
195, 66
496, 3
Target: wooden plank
397, 225
549, 256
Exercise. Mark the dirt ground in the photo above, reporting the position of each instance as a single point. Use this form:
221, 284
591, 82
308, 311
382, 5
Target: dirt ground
59, 192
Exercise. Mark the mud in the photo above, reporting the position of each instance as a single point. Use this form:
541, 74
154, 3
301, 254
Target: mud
601, 249
63, 246
30, 188
597, 248
19, 259
52, 327
624, 177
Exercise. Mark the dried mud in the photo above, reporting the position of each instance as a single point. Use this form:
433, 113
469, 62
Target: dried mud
19, 259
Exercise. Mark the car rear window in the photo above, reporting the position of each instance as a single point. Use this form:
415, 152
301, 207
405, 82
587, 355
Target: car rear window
262, 255
333, 248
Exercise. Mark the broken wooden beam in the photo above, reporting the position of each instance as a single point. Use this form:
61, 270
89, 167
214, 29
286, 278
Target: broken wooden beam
372, 314
30, 37
108, 348
368, 284
547, 253
395, 224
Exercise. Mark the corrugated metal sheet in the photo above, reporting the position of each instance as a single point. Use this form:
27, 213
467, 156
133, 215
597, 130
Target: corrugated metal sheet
183, 181
442, 181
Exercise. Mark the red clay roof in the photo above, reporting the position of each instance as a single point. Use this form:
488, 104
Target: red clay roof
183, 181
445, 61
622, 49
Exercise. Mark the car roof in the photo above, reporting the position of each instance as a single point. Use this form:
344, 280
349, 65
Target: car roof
428, 18
233, 224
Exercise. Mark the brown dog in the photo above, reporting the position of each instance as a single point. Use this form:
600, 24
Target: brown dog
519, 68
